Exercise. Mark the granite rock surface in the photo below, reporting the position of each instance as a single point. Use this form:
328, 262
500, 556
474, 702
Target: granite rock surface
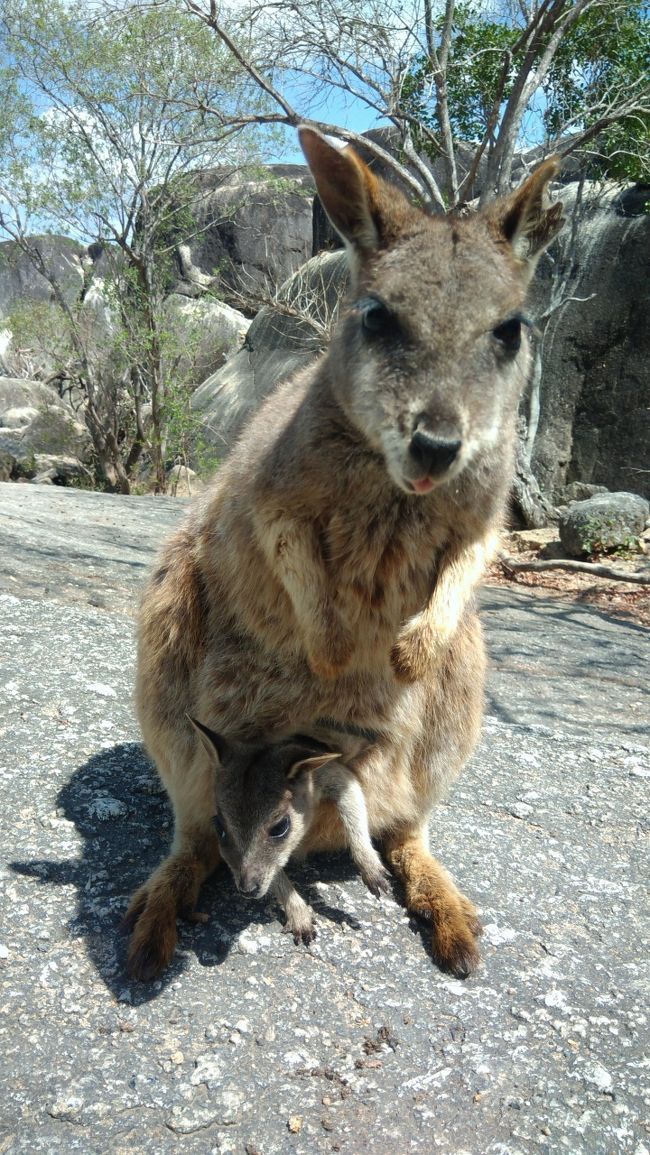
250, 1044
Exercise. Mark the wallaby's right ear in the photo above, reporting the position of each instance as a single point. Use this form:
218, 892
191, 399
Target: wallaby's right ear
215, 745
526, 218
308, 765
362, 209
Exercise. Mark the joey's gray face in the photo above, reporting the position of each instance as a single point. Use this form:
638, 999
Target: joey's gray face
431, 370
264, 802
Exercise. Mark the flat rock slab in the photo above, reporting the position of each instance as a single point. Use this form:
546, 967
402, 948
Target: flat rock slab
358, 1044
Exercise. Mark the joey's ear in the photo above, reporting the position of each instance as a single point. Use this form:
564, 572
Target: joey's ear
362, 208
526, 217
308, 765
215, 745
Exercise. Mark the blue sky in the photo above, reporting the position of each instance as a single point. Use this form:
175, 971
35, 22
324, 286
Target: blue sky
339, 109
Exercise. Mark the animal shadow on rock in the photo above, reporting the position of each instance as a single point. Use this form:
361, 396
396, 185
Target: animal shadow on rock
121, 811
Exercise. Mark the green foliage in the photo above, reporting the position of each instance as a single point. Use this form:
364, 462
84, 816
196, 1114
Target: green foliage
40, 338
108, 104
606, 53
596, 538
601, 59
475, 65
102, 130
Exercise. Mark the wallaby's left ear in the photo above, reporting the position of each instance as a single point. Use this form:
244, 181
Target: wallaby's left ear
526, 217
214, 743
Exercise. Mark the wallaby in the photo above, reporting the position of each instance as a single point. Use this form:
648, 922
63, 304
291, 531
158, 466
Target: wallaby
267, 797
329, 573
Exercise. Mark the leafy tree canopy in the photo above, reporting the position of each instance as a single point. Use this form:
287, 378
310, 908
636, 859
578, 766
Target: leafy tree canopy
602, 57
102, 105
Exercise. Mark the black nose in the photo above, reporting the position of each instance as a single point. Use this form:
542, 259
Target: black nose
432, 454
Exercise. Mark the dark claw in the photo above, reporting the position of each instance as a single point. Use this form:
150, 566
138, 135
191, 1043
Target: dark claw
304, 936
301, 936
378, 884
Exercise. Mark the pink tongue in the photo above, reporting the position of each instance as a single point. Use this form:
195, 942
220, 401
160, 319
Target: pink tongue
423, 485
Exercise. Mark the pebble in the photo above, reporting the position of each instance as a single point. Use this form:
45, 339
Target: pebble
102, 689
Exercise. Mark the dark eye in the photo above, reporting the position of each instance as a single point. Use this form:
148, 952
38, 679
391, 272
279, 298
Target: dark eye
219, 827
508, 334
376, 317
281, 828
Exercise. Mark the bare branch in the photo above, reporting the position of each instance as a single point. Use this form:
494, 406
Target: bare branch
591, 568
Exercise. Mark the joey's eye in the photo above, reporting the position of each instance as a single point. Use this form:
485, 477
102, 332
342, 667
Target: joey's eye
281, 828
508, 334
219, 827
376, 317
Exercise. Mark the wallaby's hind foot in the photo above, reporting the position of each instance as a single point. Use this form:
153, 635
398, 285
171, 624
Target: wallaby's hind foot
170, 893
431, 894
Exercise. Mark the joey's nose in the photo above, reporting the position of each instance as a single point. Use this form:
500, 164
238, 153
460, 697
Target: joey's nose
249, 886
433, 455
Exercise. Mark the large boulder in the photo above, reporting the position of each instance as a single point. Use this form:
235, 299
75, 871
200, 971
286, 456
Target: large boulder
605, 522
39, 432
280, 341
33, 341
594, 423
202, 334
6, 353
21, 282
248, 234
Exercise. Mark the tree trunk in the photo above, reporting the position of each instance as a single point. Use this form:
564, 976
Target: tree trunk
530, 508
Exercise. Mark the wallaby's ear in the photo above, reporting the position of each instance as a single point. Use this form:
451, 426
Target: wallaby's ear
308, 755
361, 207
526, 217
215, 745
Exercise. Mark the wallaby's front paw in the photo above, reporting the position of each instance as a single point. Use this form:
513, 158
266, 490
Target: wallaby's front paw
304, 932
377, 879
413, 654
456, 952
454, 932
301, 926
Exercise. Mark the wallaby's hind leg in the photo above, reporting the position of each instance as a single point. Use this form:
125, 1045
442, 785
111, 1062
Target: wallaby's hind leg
431, 894
171, 892
173, 888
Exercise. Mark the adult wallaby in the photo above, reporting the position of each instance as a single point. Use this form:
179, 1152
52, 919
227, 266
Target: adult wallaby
329, 572
268, 796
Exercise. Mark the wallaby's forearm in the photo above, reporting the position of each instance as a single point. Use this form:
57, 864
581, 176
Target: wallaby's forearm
300, 918
293, 550
425, 637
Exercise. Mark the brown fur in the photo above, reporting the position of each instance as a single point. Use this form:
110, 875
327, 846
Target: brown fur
313, 581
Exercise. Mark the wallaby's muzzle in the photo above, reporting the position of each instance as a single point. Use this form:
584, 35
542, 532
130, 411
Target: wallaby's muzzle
433, 455
250, 885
